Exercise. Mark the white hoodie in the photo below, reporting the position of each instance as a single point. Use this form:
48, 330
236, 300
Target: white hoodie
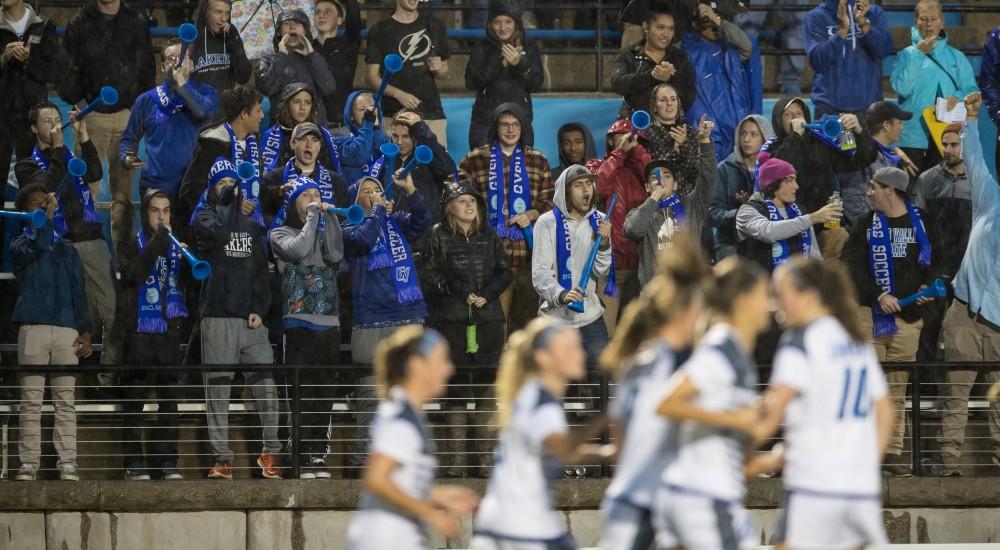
544, 276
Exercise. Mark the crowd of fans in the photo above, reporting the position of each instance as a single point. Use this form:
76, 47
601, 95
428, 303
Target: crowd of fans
486, 243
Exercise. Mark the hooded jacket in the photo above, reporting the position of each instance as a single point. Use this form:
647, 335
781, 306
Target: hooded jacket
116, 51
544, 275
733, 178
632, 77
360, 147
724, 88
24, 84
589, 147
341, 55
276, 70
375, 304
213, 142
234, 244
477, 165
919, 79
495, 83
132, 270
989, 75
848, 79
816, 164
621, 173
50, 281
426, 178
220, 60
454, 266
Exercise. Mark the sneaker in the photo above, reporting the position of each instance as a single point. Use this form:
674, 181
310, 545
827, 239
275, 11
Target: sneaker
221, 470
894, 465
318, 466
269, 466
68, 472
170, 472
136, 474
307, 473
26, 473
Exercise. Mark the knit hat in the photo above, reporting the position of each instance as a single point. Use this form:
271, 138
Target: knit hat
772, 170
503, 7
220, 169
299, 186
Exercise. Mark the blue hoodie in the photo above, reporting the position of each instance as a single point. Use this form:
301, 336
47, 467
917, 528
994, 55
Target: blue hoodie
359, 148
848, 79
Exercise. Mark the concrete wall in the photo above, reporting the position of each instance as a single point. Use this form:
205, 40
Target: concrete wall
326, 530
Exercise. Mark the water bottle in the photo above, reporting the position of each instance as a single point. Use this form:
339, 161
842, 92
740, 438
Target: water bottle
835, 199
847, 141
471, 340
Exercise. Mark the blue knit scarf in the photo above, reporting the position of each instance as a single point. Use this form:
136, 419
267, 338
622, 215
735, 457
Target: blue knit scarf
674, 203
164, 278
250, 188
779, 250
880, 263
393, 251
514, 192
167, 101
82, 191
564, 254
274, 138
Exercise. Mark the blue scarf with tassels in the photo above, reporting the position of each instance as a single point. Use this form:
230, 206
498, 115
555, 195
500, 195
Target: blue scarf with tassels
880, 263
163, 284
564, 254
674, 203
393, 251
90, 214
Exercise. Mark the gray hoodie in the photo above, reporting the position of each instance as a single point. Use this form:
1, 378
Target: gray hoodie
544, 276
304, 248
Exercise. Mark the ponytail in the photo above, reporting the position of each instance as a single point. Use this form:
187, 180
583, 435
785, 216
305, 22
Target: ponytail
517, 363
393, 354
734, 277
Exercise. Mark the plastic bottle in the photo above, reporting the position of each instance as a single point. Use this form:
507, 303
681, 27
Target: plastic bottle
834, 199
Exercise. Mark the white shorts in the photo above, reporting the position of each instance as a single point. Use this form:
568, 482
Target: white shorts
626, 526
694, 520
379, 529
828, 521
481, 541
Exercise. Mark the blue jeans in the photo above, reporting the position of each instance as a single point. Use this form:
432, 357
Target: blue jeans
595, 339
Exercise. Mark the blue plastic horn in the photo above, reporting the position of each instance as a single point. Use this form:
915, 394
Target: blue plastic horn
200, 269
245, 170
829, 127
529, 238
390, 151
392, 64
422, 154
640, 121
77, 167
36, 217
188, 33
109, 97
353, 214
933, 290
588, 267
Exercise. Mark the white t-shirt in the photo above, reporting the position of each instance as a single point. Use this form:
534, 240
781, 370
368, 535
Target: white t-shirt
400, 433
649, 442
830, 428
519, 500
709, 459
21, 25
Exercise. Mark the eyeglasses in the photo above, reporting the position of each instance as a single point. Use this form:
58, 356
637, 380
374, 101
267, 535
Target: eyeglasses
171, 59
510, 125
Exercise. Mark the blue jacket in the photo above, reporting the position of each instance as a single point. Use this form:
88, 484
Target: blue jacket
723, 87
919, 79
170, 143
976, 282
50, 279
989, 75
847, 79
359, 148
374, 295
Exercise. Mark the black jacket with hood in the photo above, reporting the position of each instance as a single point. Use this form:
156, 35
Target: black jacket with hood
24, 84
589, 147
102, 51
455, 265
341, 55
220, 59
234, 245
213, 142
495, 83
632, 77
816, 164
428, 178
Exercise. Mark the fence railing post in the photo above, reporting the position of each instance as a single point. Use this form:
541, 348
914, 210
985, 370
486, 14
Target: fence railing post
916, 441
296, 423
604, 397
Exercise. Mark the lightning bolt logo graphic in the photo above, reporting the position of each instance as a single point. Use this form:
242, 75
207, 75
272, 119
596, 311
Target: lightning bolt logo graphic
415, 46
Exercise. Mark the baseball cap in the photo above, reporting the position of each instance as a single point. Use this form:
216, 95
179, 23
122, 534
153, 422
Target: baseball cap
576, 172
892, 177
882, 111
303, 129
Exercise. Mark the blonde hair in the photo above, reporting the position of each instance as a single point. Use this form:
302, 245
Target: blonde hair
517, 363
449, 217
392, 357
680, 275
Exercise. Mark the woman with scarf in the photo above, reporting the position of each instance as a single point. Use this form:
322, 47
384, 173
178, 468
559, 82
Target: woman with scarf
298, 105
308, 247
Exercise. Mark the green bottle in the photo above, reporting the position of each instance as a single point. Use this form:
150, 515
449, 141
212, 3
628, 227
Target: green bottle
471, 341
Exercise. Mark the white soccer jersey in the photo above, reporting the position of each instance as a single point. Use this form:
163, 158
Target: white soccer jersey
830, 429
648, 437
709, 459
519, 502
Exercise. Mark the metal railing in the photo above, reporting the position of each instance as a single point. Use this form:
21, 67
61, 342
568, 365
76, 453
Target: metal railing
462, 420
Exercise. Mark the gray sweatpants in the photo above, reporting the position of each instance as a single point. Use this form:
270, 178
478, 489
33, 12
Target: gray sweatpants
228, 341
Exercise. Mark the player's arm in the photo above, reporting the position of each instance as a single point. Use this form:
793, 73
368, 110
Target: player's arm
378, 481
574, 446
679, 405
764, 463
885, 417
776, 400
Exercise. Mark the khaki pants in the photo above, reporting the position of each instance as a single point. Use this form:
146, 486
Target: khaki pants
440, 128
47, 345
831, 244
628, 289
896, 348
101, 297
520, 301
106, 132
965, 339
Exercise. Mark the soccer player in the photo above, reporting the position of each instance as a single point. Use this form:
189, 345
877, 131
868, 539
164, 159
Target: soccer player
412, 367
699, 504
516, 514
653, 339
829, 389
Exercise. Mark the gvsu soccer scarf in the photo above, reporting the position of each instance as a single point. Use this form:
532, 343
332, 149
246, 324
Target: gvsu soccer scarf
564, 254
161, 285
82, 191
514, 192
274, 139
167, 101
780, 251
250, 188
880, 264
392, 251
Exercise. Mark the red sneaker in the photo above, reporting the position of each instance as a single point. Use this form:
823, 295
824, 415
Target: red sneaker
221, 470
269, 466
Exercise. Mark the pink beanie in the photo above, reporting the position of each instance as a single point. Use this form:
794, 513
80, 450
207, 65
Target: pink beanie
772, 170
